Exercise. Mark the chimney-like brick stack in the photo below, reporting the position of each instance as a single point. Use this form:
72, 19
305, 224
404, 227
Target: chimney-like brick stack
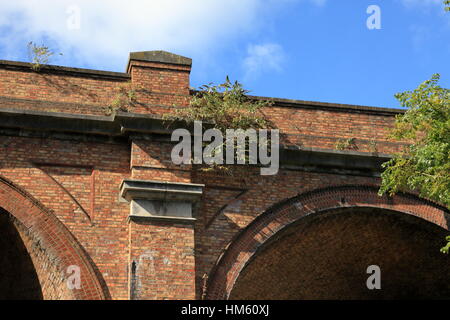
162, 262
162, 78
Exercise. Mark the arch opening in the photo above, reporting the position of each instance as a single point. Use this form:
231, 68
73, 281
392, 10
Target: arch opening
326, 257
349, 217
18, 276
52, 248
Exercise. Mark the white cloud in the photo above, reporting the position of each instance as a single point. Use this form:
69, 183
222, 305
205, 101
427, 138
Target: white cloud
262, 58
110, 29
113, 28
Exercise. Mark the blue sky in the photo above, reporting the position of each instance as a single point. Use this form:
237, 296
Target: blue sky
318, 50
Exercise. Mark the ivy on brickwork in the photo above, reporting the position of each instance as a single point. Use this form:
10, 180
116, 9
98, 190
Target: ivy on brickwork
424, 165
225, 106
373, 146
124, 98
346, 144
39, 55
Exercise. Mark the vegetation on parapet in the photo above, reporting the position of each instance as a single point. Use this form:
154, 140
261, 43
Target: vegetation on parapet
423, 165
225, 106
39, 55
346, 144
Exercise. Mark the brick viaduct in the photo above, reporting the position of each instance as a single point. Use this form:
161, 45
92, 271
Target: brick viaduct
81, 186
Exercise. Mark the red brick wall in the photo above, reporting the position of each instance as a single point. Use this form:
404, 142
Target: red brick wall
163, 258
50, 244
247, 198
52, 279
79, 180
68, 93
160, 87
74, 179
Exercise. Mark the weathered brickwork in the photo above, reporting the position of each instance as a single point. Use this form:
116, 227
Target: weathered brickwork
340, 201
40, 276
323, 254
49, 241
163, 255
64, 156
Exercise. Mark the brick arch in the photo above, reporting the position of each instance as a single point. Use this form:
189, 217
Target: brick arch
244, 246
53, 236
